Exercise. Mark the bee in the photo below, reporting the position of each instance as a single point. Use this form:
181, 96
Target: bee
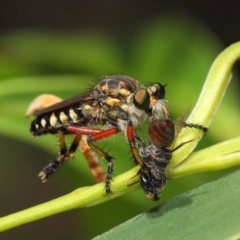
154, 158
114, 101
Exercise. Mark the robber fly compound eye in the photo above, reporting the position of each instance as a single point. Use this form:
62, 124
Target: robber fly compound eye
141, 99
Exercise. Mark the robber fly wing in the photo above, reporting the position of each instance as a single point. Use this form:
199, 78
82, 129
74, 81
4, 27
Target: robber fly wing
66, 103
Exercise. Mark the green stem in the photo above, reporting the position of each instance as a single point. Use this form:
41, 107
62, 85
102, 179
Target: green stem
210, 97
219, 156
82, 197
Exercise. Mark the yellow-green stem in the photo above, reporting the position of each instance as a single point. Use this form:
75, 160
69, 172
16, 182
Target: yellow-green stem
82, 197
210, 97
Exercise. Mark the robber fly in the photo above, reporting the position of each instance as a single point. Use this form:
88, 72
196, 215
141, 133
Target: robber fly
113, 102
154, 158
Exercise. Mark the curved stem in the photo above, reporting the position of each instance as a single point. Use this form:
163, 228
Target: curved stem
219, 156
210, 97
82, 197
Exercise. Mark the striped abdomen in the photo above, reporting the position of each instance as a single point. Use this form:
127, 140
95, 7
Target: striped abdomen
51, 122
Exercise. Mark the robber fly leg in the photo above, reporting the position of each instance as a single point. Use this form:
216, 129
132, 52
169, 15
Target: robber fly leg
109, 159
64, 155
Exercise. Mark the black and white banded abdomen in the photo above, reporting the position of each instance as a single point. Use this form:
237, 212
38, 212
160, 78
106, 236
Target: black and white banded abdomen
52, 122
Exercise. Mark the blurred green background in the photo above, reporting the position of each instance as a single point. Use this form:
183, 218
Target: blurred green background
172, 45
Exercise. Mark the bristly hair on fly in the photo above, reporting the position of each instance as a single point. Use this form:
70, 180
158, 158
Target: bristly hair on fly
90, 86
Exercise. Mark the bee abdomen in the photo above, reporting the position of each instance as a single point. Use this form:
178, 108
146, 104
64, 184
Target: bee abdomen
162, 132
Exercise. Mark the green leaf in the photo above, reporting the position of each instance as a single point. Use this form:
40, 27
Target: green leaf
208, 212
91, 53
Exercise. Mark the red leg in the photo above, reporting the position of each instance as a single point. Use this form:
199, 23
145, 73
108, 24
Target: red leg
66, 153
131, 141
97, 134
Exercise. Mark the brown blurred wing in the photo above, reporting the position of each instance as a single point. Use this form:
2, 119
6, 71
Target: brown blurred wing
179, 123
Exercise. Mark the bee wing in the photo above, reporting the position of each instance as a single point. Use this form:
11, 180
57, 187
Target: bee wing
179, 123
66, 103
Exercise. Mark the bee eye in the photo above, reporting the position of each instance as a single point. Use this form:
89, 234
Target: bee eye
141, 99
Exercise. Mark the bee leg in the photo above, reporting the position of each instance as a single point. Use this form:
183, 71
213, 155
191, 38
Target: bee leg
194, 125
64, 155
180, 145
131, 140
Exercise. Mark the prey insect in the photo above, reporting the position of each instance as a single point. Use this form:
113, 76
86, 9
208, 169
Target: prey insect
153, 159
114, 101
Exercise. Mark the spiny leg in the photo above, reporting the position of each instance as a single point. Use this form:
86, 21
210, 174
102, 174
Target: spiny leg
46, 100
90, 156
64, 155
98, 134
109, 160
194, 125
